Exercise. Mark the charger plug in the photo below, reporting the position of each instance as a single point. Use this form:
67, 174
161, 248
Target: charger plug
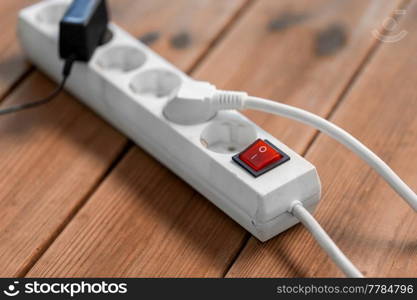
82, 29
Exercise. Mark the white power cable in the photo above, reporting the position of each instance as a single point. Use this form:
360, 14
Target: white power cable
324, 240
341, 136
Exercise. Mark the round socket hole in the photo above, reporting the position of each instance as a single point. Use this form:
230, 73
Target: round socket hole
121, 59
156, 83
52, 14
228, 136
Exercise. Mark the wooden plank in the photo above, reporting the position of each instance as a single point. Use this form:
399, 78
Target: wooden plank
54, 156
12, 62
143, 221
370, 223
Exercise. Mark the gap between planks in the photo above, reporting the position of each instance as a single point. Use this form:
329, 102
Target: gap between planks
222, 34
25, 74
129, 144
77, 208
340, 99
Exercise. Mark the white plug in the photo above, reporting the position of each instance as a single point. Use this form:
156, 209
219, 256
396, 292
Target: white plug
198, 101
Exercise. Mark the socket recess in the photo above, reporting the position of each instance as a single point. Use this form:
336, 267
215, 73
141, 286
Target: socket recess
228, 135
156, 83
122, 82
121, 59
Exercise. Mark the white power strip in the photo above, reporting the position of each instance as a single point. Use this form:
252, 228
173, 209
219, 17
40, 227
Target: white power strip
129, 85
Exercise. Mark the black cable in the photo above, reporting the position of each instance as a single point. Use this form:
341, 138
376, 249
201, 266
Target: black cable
66, 71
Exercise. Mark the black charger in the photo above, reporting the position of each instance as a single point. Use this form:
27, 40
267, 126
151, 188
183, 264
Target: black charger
81, 30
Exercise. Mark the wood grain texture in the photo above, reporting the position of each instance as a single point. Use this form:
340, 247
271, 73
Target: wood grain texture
371, 224
182, 29
144, 221
144, 226
12, 62
52, 157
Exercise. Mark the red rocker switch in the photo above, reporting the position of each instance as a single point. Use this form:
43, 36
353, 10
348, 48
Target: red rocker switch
260, 157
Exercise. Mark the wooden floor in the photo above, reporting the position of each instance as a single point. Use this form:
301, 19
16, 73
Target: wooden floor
79, 199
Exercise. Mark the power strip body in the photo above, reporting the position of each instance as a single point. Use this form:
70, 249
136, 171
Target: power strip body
128, 85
